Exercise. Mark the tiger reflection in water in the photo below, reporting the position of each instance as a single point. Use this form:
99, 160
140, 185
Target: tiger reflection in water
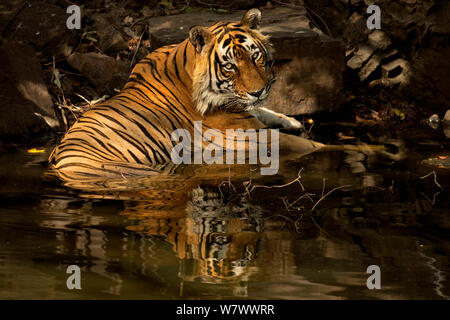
215, 241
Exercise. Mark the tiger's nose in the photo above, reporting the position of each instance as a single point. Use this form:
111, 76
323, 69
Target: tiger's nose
257, 94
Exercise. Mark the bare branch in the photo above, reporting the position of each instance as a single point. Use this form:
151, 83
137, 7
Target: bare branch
435, 178
282, 185
328, 193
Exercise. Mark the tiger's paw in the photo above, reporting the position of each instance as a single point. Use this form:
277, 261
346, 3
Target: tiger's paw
291, 123
272, 118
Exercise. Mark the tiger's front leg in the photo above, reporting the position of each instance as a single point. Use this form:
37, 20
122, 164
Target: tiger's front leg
272, 118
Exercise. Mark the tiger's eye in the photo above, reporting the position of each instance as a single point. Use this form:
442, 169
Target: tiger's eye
228, 67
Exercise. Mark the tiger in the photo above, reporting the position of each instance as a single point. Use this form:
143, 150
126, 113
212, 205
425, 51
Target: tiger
219, 75
214, 239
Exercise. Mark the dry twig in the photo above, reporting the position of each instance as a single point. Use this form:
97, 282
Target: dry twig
435, 178
282, 185
137, 49
328, 193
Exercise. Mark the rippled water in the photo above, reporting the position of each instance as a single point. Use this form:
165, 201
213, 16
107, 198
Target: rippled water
181, 236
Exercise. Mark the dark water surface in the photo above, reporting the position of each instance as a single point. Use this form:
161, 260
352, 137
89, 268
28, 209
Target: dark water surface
182, 236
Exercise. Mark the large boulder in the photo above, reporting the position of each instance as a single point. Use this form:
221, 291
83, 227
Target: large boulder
40, 24
308, 63
26, 107
308, 72
110, 38
17, 114
107, 74
8, 10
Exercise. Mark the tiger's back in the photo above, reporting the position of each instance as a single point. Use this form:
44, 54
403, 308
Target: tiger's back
131, 131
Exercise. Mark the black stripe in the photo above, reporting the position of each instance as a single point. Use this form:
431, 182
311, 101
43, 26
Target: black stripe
134, 143
175, 63
80, 151
150, 87
184, 53
134, 157
237, 29
88, 119
92, 128
112, 119
149, 136
101, 144
85, 165
79, 156
118, 151
226, 43
154, 68
87, 144
163, 112
220, 24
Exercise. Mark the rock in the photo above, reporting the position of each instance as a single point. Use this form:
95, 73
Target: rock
174, 29
433, 121
147, 12
8, 10
361, 56
409, 1
379, 83
24, 72
369, 67
309, 76
104, 72
350, 52
128, 20
47, 34
400, 79
393, 68
309, 64
233, 4
447, 116
110, 39
365, 58
419, 32
379, 39
389, 55
446, 124
17, 120
429, 80
356, 32
309, 68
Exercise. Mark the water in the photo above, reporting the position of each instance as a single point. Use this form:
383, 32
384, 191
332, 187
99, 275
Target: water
183, 237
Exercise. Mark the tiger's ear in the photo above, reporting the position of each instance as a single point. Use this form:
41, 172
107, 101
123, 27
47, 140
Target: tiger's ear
199, 37
252, 18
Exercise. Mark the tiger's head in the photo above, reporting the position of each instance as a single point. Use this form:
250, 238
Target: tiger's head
233, 65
